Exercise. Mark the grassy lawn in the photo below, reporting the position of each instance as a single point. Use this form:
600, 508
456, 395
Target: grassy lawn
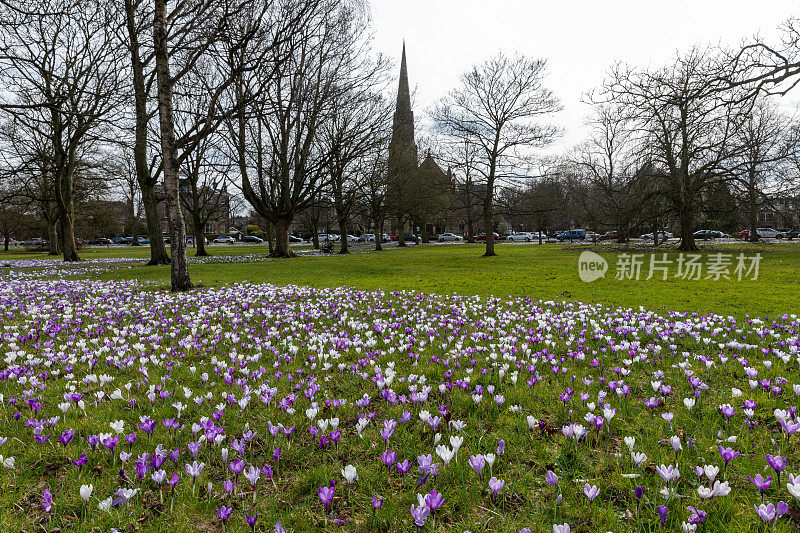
548, 272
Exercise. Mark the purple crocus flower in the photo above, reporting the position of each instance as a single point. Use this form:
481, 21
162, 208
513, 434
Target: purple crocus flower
224, 512
663, 512
47, 501
80, 461
477, 462
728, 454
777, 463
591, 491
251, 521
377, 502
769, 512
697, 516
419, 514
388, 458
403, 466
761, 484
434, 500
66, 436
326, 495
496, 485
551, 478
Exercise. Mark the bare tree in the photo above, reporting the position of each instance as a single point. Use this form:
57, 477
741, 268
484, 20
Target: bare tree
685, 124
617, 189
229, 37
138, 21
357, 126
767, 140
283, 108
495, 108
62, 71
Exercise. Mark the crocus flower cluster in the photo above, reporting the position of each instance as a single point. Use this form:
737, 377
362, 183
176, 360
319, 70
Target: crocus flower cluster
337, 407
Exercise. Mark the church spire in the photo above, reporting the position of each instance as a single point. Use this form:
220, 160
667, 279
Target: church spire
403, 93
402, 148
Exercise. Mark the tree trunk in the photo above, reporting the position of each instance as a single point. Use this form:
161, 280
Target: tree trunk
655, 233
425, 235
179, 272
70, 251
270, 235
752, 215
344, 246
378, 234
282, 237
158, 250
401, 232
686, 220
200, 238
52, 237
315, 236
488, 222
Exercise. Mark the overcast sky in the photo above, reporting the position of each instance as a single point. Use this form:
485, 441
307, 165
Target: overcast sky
580, 39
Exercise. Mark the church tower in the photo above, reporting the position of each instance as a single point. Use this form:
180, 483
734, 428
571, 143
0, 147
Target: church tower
402, 148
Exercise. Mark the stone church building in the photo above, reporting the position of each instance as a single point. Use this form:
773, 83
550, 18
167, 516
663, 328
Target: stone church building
419, 194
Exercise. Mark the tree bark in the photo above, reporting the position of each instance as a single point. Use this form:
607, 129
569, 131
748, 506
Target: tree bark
200, 238
179, 271
401, 232
686, 220
378, 234
52, 237
344, 246
70, 251
282, 249
158, 250
315, 236
488, 221
752, 214
655, 233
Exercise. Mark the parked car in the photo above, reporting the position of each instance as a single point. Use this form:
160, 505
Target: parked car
252, 239
410, 237
482, 236
662, 236
34, 244
708, 234
327, 237
352, 238
521, 236
794, 234
224, 239
101, 241
448, 237
571, 235
295, 239
768, 233
591, 236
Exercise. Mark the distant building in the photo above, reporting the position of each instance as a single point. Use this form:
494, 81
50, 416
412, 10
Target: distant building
418, 194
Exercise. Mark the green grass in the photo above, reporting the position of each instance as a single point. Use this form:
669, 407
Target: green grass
548, 272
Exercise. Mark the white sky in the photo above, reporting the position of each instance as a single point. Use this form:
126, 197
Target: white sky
580, 39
